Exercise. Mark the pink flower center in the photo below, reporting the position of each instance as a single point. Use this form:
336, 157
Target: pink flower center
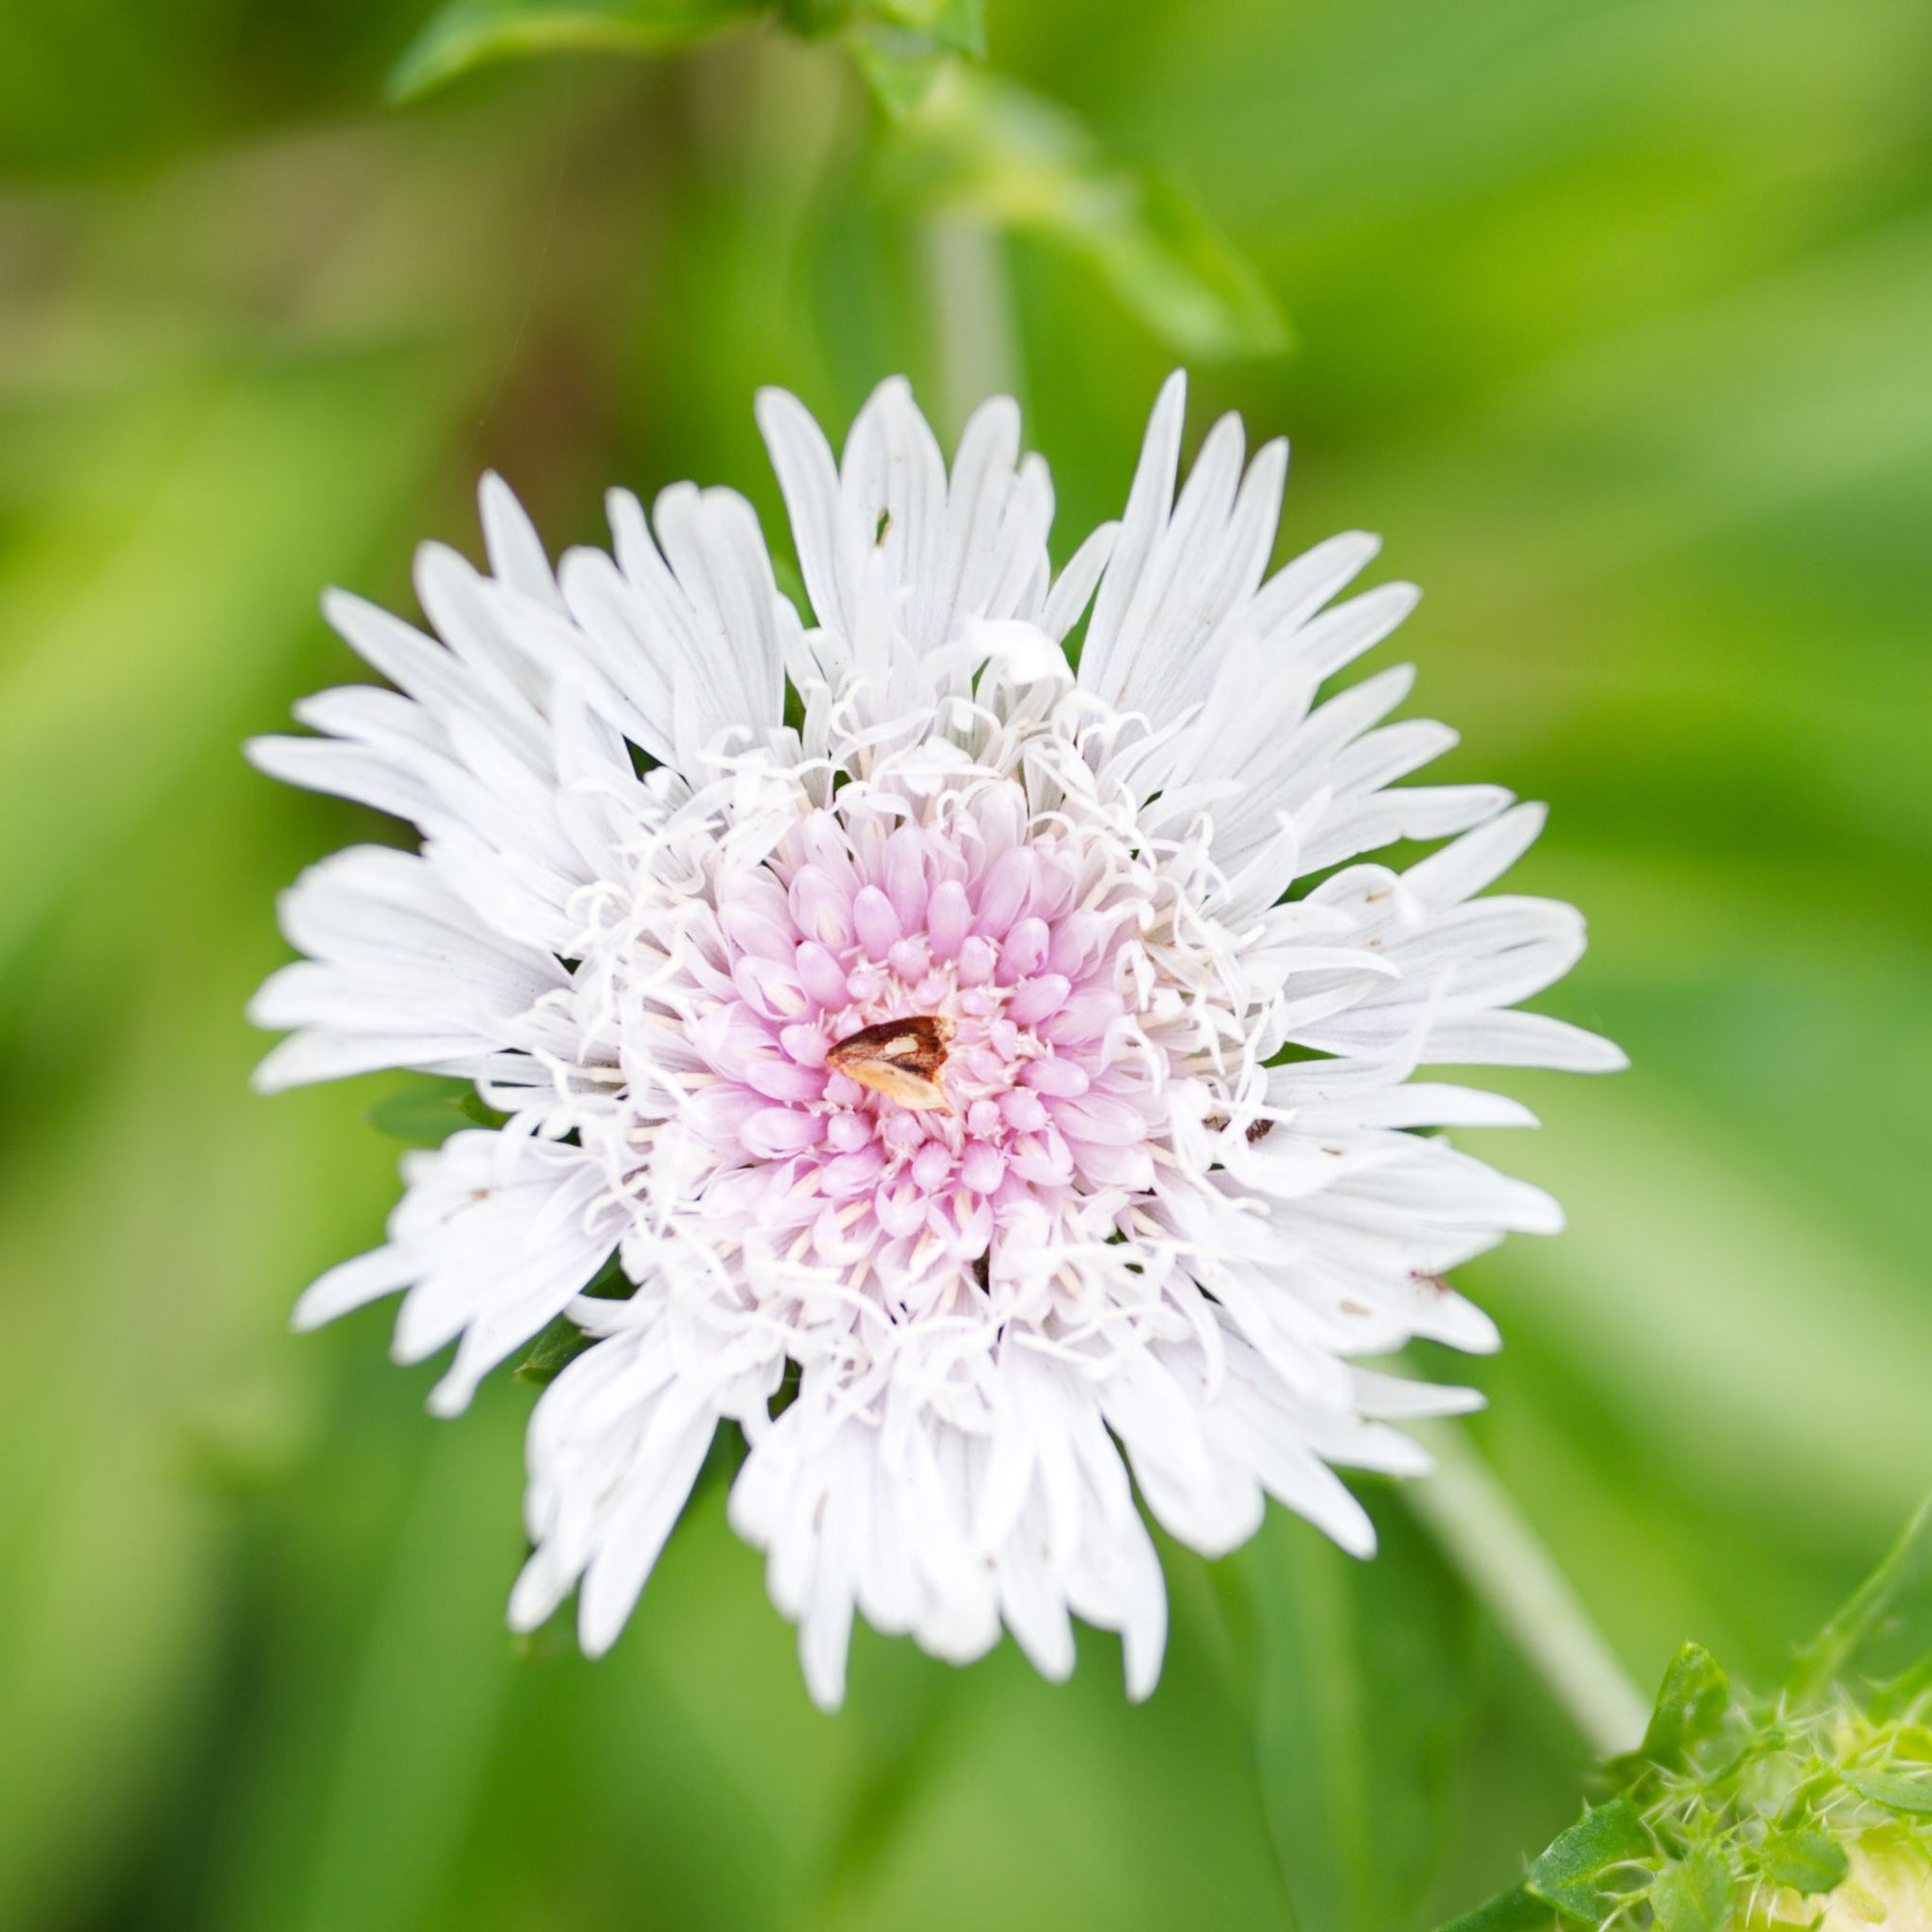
849, 926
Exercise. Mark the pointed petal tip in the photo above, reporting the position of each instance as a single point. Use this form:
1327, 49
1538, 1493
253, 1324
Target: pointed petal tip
407, 1349
255, 750
1057, 1668
595, 1633
320, 1302
675, 501
1140, 1666
825, 1688
526, 1607
269, 1075
453, 1395
997, 414
1356, 1539
775, 402
1267, 470
1591, 1053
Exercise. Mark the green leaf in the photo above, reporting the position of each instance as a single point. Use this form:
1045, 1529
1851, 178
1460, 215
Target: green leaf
1511, 1911
1691, 1706
563, 1341
1885, 1628
958, 25
902, 46
1692, 1894
898, 68
430, 1109
1911, 1797
985, 148
1806, 1861
551, 1352
816, 19
1570, 1875
465, 33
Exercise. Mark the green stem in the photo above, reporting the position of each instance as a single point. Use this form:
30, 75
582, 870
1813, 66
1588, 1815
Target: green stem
975, 342
1504, 1562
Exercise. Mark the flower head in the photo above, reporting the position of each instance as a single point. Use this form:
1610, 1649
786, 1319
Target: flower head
1020, 1056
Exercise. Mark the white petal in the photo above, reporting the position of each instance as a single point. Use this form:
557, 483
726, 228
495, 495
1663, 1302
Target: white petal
516, 551
498, 1236
809, 481
349, 1285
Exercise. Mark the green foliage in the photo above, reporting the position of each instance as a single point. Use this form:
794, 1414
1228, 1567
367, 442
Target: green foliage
551, 1352
987, 149
965, 143
563, 1341
1885, 1632
1806, 1861
816, 19
958, 24
1907, 1796
1585, 1872
1693, 1894
466, 34
899, 44
902, 46
1691, 1706
900, 67
1725, 1799
1516, 1910
428, 1109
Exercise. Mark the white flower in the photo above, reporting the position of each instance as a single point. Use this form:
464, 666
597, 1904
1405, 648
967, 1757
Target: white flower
959, 1045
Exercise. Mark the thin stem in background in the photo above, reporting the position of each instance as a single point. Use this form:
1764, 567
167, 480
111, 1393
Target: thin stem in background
1492, 1546
975, 342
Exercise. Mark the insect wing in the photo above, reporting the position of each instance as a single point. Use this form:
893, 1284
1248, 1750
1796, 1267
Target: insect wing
900, 1058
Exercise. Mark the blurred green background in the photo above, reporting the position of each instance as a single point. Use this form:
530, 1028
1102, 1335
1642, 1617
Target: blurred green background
1614, 315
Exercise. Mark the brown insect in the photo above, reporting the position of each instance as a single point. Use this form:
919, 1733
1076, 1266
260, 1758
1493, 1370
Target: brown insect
900, 1058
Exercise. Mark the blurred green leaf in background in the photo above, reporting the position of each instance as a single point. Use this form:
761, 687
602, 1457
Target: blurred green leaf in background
469, 33
1611, 313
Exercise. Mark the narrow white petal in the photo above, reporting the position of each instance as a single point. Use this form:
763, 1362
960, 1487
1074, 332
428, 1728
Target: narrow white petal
516, 551
349, 1285
809, 481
